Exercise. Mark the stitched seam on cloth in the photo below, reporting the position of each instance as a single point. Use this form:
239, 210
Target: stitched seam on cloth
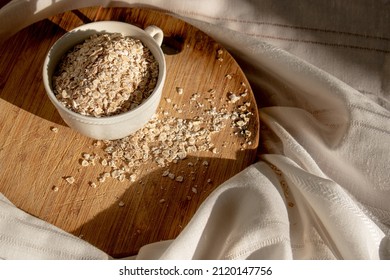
352, 106
336, 45
30, 246
306, 242
258, 245
259, 226
333, 125
385, 103
330, 195
37, 227
368, 92
359, 108
316, 245
319, 112
376, 94
324, 30
370, 127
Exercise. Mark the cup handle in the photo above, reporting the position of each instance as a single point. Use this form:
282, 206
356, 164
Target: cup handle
156, 33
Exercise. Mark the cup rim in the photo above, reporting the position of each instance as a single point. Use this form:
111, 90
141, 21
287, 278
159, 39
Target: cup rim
114, 118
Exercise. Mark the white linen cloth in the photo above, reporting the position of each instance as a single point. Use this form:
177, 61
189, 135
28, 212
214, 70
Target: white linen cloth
321, 190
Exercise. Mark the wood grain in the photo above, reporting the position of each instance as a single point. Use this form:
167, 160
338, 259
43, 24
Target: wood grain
33, 159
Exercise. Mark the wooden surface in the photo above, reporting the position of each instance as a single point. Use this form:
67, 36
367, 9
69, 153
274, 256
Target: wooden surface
33, 159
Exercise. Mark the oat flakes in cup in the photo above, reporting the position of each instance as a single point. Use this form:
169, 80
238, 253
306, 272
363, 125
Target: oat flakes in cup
106, 78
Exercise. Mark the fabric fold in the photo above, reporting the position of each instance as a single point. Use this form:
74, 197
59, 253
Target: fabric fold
23, 236
245, 218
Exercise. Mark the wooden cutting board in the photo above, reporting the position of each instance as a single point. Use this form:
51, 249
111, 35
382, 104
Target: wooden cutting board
117, 217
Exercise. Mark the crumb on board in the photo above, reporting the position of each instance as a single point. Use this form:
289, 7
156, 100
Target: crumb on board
70, 179
179, 90
179, 179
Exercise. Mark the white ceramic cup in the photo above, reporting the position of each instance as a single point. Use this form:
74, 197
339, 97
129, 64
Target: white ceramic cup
108, 127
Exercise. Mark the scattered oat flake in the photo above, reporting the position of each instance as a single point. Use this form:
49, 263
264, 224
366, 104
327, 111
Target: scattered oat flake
70, 179
54, 129
55, 189
92, 184
179, 178
179, 90
162, 200
133, 177
96, 143
103, 162
86, 156
168, 139
194, 190
121, 204
233, 97
195, 96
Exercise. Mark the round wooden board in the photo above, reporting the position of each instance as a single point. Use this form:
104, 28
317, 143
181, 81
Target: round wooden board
33, 159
